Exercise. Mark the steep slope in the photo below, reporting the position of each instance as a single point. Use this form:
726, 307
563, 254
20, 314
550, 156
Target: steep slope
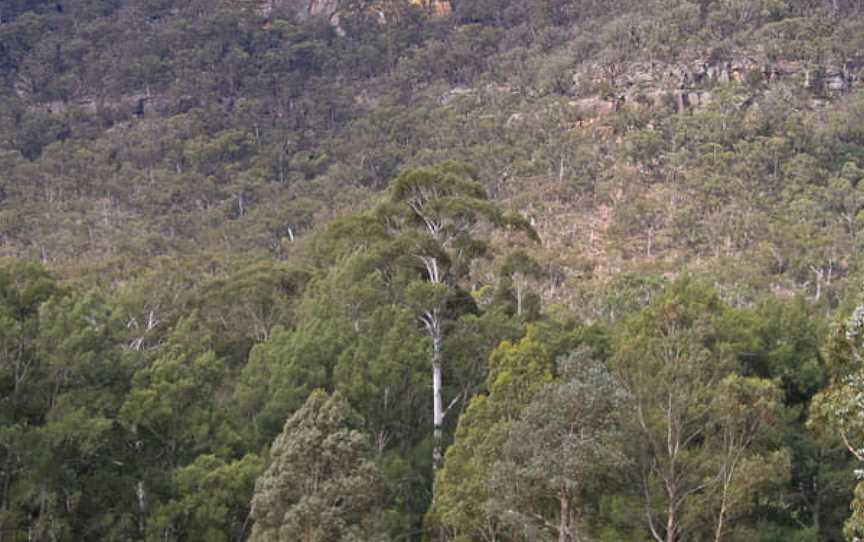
239, 202
650, 137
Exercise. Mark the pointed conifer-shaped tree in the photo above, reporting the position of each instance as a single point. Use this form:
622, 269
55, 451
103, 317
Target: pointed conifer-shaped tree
321, 485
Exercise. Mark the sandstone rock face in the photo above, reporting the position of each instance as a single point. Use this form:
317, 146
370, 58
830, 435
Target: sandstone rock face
688, 84
308, 8
330, 8
326, 8
438, 8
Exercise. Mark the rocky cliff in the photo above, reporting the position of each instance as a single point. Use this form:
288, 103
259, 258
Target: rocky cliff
331, 8
690, 83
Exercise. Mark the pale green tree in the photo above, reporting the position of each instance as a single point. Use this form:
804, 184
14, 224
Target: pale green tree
517, 372
568, 441
840, 407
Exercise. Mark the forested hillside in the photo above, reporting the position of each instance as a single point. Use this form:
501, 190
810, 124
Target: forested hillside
395, 270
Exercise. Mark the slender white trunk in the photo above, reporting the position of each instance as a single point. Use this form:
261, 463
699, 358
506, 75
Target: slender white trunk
671, 524
141, 496
567, 519
721, 517
518, 300
437, 403
432, 321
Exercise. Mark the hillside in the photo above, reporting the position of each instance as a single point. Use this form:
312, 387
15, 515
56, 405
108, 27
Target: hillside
208, 128
212, 209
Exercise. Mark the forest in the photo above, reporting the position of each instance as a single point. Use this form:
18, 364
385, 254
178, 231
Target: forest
431, 270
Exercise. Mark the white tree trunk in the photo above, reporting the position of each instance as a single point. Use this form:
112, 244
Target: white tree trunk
437, 402
567, 519
141, 497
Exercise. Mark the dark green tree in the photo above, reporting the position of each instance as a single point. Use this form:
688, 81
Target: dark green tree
321, 485
676, 363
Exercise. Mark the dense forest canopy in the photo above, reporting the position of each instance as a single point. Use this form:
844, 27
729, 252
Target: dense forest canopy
466, 270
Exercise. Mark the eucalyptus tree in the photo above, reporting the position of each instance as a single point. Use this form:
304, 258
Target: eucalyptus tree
701, 427
839, 408
435, 215
519, 269
24, 388
460, 507
664, 360
566, 444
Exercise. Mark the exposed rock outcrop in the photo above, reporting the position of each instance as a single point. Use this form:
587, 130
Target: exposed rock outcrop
330, 8
438, 8
688, 84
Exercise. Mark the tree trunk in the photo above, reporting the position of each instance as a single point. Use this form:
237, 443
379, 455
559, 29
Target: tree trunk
671, 524
816, 509
432, 320
7, 474
728, 476
721, 517
141, 498
567, 522
437, 403
518, 299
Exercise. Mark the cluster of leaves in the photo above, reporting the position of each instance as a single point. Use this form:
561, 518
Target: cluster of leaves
154, 404
143, 414
116, 417
689, 423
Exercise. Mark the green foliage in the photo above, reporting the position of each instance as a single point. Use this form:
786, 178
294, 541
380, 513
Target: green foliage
702, 429
567, 443
320, 484
132, 419
836, 410
214, 497
174, 163
516, 373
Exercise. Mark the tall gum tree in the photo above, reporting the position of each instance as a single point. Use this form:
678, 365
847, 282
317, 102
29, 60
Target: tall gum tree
435, 214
